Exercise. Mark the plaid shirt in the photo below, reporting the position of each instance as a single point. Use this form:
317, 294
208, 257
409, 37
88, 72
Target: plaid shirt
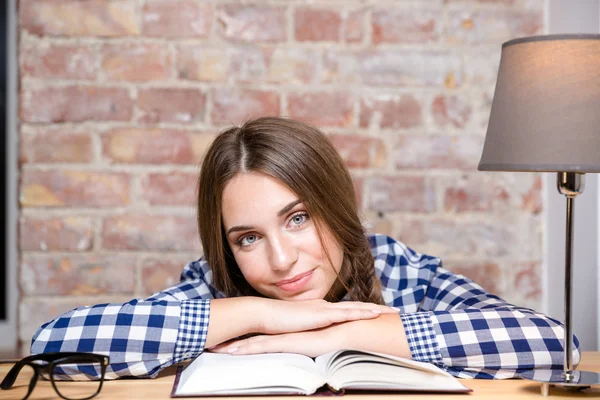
449, 321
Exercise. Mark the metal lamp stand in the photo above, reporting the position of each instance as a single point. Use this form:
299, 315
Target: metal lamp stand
570, 184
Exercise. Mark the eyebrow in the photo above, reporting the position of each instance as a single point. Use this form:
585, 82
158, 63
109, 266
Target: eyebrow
281, 212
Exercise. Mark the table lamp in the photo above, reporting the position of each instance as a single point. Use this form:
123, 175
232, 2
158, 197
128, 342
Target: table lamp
545, 117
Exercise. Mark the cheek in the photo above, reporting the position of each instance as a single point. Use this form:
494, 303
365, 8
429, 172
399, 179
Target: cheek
335, 253
250, 266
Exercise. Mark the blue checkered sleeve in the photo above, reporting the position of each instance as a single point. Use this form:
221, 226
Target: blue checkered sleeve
482, 336
141, 336
453, 322
421, 337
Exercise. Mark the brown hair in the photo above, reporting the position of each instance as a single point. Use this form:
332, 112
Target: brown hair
303, 159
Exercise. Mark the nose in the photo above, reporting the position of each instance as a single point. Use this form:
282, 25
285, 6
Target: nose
283, 253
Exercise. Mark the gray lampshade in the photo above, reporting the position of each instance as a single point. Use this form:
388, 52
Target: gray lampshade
546, 109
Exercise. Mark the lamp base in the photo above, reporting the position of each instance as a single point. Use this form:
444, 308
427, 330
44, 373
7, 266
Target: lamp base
578, 380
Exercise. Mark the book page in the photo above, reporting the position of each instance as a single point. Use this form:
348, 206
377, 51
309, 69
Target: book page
364, 370
277, 373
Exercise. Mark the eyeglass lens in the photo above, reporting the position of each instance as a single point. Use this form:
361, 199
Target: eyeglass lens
78, 389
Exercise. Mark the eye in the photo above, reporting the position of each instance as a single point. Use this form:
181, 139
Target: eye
247, 240
298, 219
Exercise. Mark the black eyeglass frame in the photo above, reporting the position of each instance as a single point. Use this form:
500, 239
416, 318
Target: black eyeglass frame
54, 359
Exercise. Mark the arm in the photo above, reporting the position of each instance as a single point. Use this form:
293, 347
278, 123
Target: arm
140, 336
452, 322
475, 334
144, 336
387, 329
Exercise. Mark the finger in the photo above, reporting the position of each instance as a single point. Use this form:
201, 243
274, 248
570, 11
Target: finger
389, 310
364, 306
218, 349
221, 348
350, 314
267, 344
233, 346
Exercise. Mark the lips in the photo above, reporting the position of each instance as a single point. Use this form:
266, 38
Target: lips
294, 279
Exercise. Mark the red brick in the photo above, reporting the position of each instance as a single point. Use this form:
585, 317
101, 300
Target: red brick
492, 26
220, 64
491, 192
450, 110
322, 109
409, 230
359, 184
175, 188
75, 104
252, 23
472, 193
410, 25
288, 65
360, 151
158, 274
531, 200
49, 60
394, 67
56, 145
150, 233
71, 188
181, 105
505, 2
292, 66
51, 234
79, 18
390, 111
483, 235
136, 61
234, 106
317, 25
445, 152
399, 193
77, 274
374, 223
154, 146
203, 62
186, 19
353, 30
481, 67
482, 104
486, 274
525, 280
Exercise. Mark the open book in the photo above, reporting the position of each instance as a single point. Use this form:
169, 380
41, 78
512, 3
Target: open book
283, 373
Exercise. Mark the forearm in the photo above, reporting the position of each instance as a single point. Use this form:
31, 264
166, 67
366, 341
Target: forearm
231, 318
499, 339
384, 334
127, 332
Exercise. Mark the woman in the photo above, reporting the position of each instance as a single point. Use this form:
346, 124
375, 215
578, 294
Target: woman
284, 251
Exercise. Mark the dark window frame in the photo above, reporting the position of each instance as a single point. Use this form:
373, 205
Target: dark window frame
4, 10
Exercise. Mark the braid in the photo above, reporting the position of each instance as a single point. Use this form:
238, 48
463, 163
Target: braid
366, 284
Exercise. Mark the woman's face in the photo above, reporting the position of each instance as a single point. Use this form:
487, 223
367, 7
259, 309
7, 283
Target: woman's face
274, 240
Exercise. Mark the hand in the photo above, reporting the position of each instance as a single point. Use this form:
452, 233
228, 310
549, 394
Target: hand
280, 316
354, 335
310, 343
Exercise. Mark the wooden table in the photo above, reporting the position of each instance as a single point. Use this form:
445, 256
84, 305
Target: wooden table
160, 388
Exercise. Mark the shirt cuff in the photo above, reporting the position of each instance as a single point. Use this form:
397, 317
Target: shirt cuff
421, 337
193, 328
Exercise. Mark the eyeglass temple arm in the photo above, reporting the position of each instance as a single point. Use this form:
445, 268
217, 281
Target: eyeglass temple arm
10, 378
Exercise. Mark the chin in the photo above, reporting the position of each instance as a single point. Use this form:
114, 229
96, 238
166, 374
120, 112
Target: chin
308, 295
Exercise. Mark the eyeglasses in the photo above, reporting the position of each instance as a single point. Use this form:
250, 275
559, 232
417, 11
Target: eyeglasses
23, 376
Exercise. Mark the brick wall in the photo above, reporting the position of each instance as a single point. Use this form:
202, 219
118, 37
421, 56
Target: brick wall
119, 99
